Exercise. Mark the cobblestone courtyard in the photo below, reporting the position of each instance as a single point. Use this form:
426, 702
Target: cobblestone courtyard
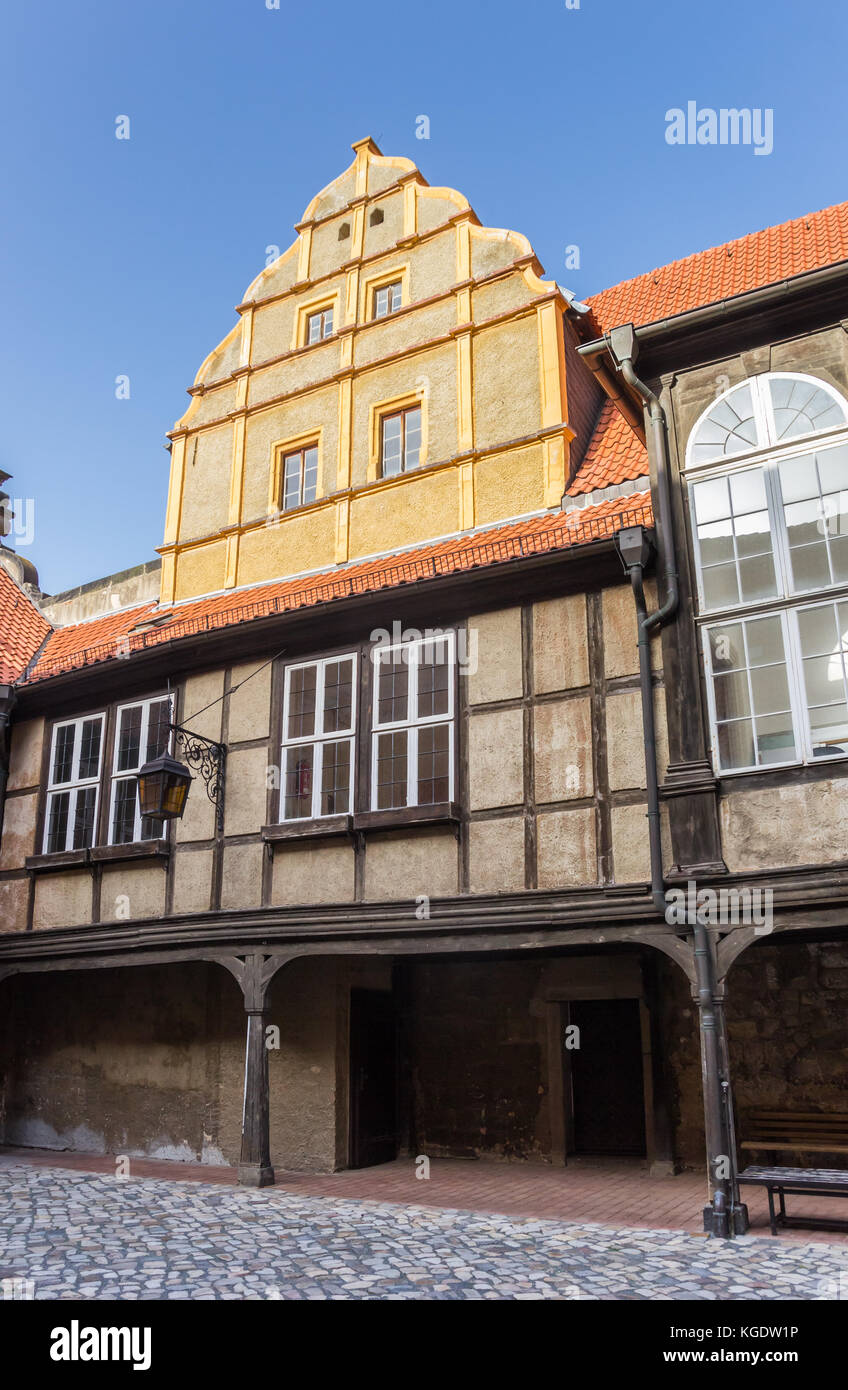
91, 1236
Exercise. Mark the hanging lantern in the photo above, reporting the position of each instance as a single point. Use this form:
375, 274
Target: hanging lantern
163, 787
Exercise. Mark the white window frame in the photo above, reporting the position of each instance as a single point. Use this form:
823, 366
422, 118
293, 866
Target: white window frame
316, 740
127, 773
321, 316
75, 783
787, 602
412, 723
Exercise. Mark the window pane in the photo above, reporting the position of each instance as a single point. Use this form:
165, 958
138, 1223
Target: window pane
712, 500
84, 817
753, 534
716, 542
732, 699
775, 739
721, 586
338, 696
810, 569
123, 815
801, 407
381, 303
335, 779
314, 328
823, 679
765, 641
302, 683
727, 647
392, 687
412, 449
394, 293
90, 734
129, 738
391, 770
158, 732
433, 680
310, 474
57, 821
818, 630
748, 491
729, 428
829, 730
756, 577
433, 764
392, 450
291, 481
770, 689
63, 754
736, 744
297, 799
328, 322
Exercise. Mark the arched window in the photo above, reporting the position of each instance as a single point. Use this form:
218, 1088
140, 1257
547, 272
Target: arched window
767, 475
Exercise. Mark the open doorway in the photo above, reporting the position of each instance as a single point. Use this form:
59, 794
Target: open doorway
605, 1089
373, 1078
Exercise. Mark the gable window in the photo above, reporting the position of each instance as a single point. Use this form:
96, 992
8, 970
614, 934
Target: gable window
74, 784
400, 441
319, 325
412, 741
300, 477
767, 473
141, 734
319, 713
387, 299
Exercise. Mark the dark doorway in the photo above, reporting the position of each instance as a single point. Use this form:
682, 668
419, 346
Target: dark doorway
373, 1078
607, 1091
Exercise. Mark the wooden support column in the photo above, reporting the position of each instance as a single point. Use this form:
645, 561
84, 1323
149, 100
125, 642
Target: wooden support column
254, 973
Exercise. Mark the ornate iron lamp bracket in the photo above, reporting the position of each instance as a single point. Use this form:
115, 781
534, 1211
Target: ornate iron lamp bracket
209, 759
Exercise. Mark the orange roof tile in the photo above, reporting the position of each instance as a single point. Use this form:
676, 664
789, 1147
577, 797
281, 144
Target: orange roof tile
615, 454
103, 639
761, 258
22, 629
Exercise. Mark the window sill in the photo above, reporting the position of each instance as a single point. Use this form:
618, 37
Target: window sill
442, 813
61, 859
138, 849
323, 827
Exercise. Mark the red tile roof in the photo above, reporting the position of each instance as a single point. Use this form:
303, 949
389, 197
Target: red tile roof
103, 639
761, 258
22, 629
615, 454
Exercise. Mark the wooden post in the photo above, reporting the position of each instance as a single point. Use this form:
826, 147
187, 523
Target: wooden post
254, 1168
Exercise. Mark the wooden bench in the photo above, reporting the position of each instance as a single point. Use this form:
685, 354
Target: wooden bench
781, 1131
815, 1182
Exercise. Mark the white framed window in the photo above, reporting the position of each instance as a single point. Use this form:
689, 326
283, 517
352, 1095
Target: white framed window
767, 475
73, 786
319, 721
413, 735
387, 299
400, 441
319, 325
300, 477
141, 734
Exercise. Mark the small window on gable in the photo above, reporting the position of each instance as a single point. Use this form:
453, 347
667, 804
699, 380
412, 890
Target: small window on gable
344, 231
319, 325
376, 217
387, 299
300, 477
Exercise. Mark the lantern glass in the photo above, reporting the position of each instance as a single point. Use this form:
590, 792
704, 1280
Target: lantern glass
163, 787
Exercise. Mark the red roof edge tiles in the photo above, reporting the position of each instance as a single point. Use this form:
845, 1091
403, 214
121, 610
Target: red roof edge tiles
22, 629
103, 639
750, 262
615, 455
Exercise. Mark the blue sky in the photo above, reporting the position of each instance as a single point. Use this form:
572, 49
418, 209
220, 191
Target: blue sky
128, 256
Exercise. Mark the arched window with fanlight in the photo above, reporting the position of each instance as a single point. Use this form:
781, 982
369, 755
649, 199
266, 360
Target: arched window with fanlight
767, 476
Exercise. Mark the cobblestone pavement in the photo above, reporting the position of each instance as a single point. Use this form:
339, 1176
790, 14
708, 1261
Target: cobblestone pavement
83, 1235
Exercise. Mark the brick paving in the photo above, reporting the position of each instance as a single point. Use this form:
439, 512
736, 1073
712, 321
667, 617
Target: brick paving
95, 1236
614, 1192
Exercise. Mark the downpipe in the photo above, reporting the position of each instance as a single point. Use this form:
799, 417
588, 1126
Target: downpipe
648, 623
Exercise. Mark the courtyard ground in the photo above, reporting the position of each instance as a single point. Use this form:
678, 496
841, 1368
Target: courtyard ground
93, 1235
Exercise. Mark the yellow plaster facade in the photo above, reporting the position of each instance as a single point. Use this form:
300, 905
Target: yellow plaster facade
475, 319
